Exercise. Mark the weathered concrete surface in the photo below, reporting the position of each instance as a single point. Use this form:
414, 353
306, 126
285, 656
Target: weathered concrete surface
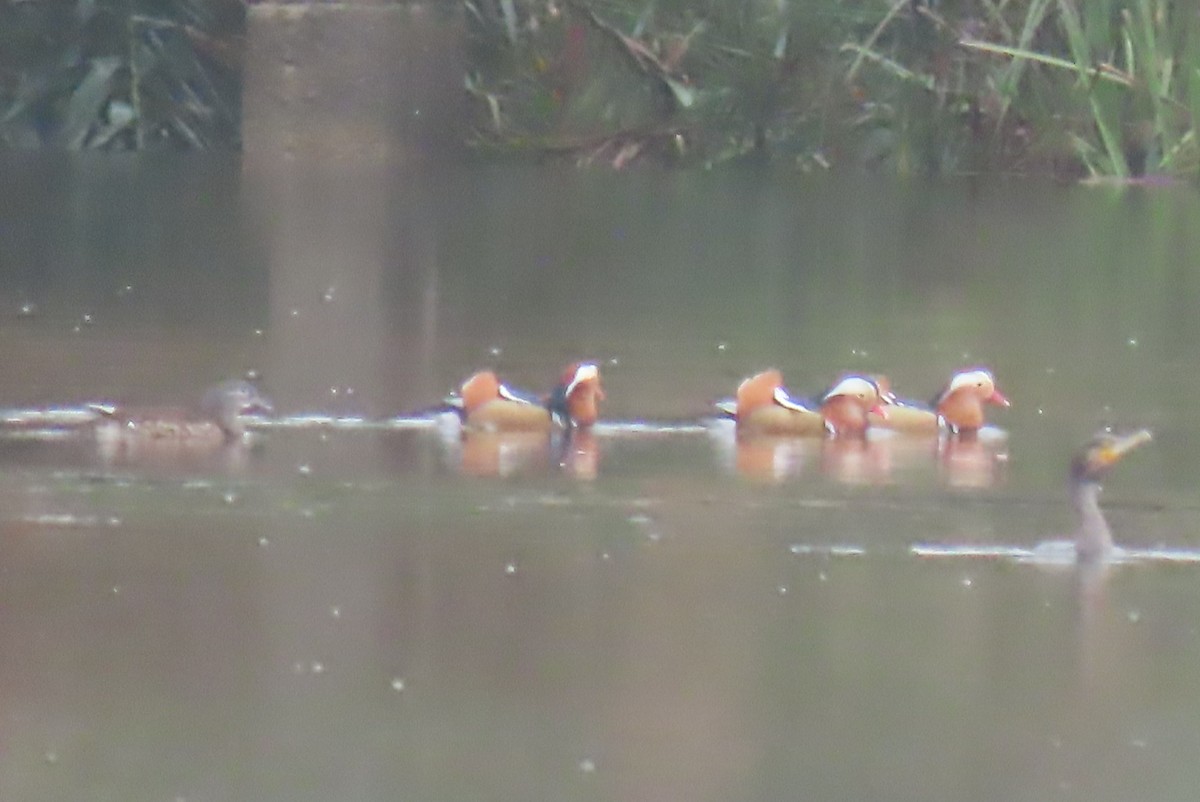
382, 82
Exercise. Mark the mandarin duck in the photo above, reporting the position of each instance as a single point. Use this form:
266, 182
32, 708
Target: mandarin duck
216, 422
958, 407
485, 404
763, 406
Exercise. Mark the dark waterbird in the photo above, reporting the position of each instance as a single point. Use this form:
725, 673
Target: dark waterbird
1093, 538
1091, 545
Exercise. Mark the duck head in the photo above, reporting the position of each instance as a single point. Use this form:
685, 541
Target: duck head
960, 404
228, 401
1104, 451
847, 404
575, 399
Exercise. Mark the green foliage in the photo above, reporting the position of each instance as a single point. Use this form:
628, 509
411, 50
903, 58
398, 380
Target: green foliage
120, 74
1073, 87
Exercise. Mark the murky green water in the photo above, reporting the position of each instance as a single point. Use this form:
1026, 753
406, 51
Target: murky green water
363, 613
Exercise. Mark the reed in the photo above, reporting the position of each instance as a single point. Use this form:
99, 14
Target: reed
1100, 89
121, 74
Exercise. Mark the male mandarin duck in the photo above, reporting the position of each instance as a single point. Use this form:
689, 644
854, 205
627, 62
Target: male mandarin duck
764, 407
577, 396
217, 422
848, 405
960, 404
958, 407
485, 404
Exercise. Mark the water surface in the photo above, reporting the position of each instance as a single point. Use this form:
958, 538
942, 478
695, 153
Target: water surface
366, 610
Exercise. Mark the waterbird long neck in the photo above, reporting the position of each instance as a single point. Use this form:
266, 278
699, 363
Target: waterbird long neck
1093, 538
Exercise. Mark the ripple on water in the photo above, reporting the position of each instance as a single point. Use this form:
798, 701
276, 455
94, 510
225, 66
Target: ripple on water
835, 550
320, 420
1054, 554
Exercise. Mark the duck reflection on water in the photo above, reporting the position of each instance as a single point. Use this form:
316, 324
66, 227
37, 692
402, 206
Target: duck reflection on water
875, 460
505, 454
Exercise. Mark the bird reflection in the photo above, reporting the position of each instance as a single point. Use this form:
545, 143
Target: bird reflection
856, 462
969, 462
773, 459
579, 454
960, 462
504, 454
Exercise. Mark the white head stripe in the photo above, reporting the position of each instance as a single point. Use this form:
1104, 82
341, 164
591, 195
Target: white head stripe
583, 373
969, 378
853, 385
